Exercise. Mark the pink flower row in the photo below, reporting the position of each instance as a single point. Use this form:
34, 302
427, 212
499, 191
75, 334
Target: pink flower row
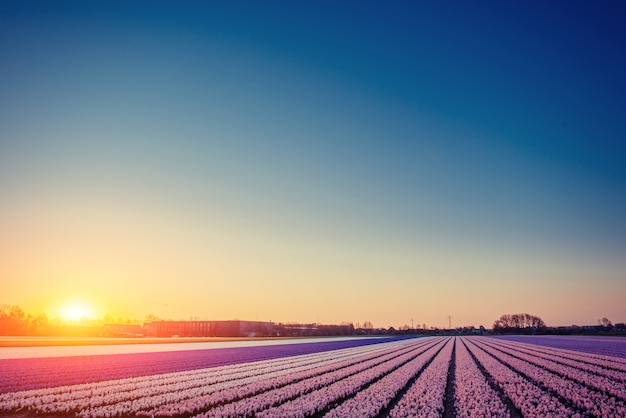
474, 396
369, 402
613, 367
65, 398
594, 402
426, 396
38, 373
120, 389
531, 400
304, 395
178, 393
612, 384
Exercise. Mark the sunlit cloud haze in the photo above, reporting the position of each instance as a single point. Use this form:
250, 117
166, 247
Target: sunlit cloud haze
314, 162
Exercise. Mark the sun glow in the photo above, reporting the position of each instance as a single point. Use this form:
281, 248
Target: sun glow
76, 311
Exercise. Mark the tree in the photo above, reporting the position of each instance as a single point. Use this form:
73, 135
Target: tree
13, 320
606, 323
518, 323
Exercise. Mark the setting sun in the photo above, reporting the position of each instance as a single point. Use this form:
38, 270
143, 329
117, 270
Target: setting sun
76, 311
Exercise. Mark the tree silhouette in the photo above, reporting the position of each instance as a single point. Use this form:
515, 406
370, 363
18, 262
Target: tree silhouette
521, 323
13, 320
606, 323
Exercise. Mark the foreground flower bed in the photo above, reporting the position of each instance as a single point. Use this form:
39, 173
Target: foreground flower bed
33, 373
434, 376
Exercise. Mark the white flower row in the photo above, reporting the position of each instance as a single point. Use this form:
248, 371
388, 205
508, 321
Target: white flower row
531, 400
426, 396
206, 382
123, 387
64, 399
318, 400
603, 383
594, 402
473, 395
180, 394
33, 374
613, 367
263, 392
369, 402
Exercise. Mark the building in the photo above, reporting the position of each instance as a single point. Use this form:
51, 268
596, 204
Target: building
234, 328
122, 330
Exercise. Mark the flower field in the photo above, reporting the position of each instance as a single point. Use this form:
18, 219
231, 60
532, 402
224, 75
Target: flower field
431, 377
608, 346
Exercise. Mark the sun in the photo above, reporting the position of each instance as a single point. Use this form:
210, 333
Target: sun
76, 311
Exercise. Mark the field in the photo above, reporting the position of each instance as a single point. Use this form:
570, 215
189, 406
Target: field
431, 377
81, 341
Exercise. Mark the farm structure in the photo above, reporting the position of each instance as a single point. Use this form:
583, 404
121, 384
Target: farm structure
234, 328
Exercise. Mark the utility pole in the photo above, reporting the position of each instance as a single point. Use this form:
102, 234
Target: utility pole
412, 324
449, 322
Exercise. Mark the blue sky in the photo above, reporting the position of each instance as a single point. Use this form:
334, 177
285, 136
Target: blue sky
356, 150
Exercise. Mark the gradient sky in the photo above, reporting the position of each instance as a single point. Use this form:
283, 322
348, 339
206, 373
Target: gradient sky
315, 161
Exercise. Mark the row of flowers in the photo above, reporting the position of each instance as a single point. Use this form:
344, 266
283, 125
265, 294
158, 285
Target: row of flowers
318, 401
611, 382
613, 367
126, 387
39, 373
68, 398
529, 398
264, 393
369, 402
607, 348
587, 400
425, 397
474, 396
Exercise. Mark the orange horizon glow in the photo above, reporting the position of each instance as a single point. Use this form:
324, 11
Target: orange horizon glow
76, 311
80, 310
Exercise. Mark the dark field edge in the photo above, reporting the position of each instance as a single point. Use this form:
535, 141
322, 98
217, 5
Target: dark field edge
38, 373
565, 402
571, 379
28, 414
513, 410
449, 410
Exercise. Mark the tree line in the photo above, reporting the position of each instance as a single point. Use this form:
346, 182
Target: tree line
523, 323
14, 321
518, 323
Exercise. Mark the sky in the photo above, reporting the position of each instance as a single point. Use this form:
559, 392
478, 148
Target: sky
314, 161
